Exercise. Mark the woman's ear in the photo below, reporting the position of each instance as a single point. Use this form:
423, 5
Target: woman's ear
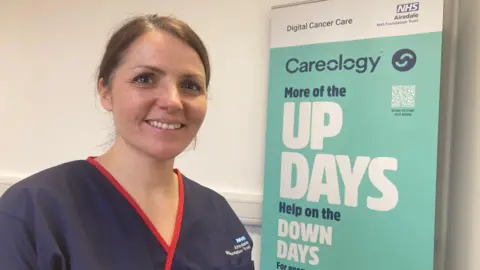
105, 94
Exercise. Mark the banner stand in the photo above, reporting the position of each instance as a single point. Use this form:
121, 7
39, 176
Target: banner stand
447, 96
359, 123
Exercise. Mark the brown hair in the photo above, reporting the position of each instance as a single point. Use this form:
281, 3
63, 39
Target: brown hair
139, 25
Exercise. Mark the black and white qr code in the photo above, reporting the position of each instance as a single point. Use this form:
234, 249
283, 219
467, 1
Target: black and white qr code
403, 96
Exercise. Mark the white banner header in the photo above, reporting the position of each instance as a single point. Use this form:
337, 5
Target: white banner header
353, 20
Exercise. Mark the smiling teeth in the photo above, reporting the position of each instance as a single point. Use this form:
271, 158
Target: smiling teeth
161, 125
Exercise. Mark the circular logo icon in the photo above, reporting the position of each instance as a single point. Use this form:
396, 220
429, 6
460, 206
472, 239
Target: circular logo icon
404, 60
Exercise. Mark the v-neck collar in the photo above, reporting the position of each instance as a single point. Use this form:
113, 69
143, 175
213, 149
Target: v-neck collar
169, 249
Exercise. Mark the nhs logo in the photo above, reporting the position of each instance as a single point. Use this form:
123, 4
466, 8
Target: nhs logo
410, 7
240, 239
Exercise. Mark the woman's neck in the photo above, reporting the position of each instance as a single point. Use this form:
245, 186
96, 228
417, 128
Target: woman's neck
140, 175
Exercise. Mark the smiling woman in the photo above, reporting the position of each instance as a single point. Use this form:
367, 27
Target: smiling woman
130, 208
157, 91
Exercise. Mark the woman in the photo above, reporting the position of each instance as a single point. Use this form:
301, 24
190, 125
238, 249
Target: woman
129, 209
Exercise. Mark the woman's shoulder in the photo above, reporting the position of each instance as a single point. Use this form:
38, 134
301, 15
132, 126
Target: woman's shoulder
200, 192
51, 177
207, 200
45, 185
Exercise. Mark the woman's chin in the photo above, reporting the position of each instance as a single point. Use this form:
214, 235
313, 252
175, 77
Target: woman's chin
165, 152
161, 150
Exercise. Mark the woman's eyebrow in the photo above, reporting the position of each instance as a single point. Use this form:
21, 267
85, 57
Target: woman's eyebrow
194, 76
152, 68
186, 74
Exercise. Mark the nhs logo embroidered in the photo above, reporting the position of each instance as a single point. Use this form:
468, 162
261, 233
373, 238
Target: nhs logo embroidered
240, 239
241, 245
410, 7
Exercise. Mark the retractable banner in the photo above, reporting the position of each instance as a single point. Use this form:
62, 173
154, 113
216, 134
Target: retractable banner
351, 140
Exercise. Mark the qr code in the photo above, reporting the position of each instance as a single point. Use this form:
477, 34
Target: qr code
403, 96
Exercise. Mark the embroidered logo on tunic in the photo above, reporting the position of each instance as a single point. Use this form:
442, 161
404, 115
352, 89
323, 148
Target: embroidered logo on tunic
241, 245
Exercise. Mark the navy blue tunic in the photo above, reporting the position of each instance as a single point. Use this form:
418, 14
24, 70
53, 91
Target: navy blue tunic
75, 216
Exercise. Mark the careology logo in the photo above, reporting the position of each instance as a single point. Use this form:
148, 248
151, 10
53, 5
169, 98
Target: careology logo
404, 60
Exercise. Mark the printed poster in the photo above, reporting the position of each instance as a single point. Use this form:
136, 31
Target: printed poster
351, 140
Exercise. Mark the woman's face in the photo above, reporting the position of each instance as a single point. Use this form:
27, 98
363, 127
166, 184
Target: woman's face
157, 95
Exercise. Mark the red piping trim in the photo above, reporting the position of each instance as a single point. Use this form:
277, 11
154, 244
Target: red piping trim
178, 222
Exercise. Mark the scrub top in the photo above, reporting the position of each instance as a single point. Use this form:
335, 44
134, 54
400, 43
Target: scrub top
76, 216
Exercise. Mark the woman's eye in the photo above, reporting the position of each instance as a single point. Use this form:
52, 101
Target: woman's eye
191, 86
144, 79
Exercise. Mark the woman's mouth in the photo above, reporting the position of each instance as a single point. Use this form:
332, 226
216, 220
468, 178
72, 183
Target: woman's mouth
160, 125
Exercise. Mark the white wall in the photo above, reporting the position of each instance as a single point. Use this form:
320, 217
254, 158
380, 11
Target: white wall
51, 48
47, 84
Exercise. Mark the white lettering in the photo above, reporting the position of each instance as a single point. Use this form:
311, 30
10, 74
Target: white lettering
311, 119
322, 179
298, 252
390, 193
307, 232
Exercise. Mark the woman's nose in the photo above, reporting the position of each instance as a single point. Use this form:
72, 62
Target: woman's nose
169, 97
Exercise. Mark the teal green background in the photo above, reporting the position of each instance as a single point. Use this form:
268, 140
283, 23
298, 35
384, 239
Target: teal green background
364, 239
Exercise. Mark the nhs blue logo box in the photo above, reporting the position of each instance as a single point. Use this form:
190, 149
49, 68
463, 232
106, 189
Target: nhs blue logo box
409, 7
